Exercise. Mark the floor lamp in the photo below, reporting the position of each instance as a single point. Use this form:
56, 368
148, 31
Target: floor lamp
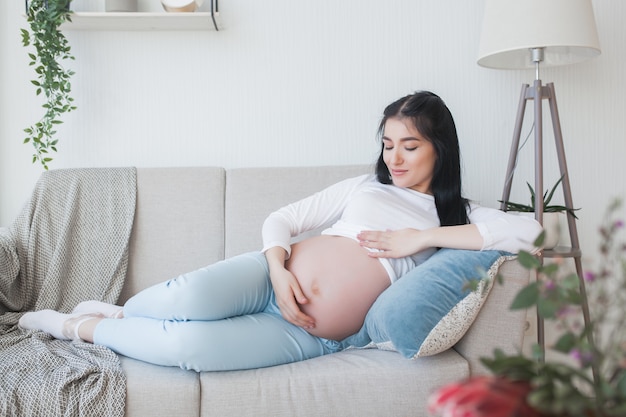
518, 34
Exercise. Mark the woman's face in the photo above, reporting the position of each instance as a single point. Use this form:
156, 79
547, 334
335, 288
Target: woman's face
409, 157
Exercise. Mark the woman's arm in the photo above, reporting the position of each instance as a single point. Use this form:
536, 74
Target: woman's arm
406, 242
318, 210
505, 231
490, 229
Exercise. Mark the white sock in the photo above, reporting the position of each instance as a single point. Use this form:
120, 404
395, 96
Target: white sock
49, 321
111, 311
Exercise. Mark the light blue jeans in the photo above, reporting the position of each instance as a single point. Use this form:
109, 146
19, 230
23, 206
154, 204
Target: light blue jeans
221, 317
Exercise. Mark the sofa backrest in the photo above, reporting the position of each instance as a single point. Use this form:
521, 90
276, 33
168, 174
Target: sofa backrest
253, 193
178, 226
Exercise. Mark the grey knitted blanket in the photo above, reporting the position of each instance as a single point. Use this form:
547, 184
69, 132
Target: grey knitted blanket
69, 244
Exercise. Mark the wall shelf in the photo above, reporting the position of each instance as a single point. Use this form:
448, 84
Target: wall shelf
141, 21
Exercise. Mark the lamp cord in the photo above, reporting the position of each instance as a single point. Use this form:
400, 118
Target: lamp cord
521, 146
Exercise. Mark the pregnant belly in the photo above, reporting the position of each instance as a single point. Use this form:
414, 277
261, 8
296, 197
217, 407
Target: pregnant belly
340, 281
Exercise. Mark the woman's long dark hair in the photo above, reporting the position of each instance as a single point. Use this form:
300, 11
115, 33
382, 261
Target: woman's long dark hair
433, 120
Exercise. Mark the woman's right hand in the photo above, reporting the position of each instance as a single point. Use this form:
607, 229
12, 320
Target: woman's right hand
287, 290
288, 296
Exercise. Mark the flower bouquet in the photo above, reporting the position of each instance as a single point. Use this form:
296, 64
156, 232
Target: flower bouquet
592, 382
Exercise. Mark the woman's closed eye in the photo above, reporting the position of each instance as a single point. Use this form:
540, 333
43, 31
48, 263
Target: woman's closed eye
390, 148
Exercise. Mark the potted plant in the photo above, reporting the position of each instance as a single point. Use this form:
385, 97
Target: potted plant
592, 383
551, 218
53, 80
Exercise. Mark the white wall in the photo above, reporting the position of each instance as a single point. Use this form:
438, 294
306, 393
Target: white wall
303, 83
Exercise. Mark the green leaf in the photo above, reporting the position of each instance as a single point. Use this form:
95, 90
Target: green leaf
571, 282
523, 208
547, 308
471, 285
528, 261
25, 37
621, 384
573, 297
532, 196
547, 197
537, 352
550, 269
526, 297
566, 343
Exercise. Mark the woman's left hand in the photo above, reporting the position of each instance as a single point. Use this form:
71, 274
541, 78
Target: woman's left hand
393, 243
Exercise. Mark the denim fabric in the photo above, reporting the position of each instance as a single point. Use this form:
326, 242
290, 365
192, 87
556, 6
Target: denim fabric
221, 317
409, 312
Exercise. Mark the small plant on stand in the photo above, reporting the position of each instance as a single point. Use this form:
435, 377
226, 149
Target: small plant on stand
547, 199
53, 80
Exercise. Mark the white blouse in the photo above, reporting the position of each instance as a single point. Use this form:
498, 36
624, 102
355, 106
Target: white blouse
362, 203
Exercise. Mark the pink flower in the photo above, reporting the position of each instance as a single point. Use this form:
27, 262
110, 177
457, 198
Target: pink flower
565, 311
483, 396
589, 276
583, 357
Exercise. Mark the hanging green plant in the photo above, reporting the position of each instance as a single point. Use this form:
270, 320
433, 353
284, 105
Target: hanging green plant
53, 80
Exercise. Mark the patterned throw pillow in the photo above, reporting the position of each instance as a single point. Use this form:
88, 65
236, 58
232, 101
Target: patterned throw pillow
428, 310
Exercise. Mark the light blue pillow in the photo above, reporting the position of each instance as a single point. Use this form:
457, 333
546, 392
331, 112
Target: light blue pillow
428, 310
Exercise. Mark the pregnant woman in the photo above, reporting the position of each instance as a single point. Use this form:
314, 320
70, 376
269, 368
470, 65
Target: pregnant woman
291, 302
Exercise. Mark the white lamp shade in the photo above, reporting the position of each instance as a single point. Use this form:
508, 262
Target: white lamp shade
566, 29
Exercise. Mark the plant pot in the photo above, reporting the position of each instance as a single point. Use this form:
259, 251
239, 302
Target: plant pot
552, 226
178, 6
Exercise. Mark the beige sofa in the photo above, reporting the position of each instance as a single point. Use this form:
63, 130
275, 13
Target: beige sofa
188, 217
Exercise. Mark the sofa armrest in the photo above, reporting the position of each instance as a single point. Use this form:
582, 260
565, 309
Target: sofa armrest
9, 267
497, 326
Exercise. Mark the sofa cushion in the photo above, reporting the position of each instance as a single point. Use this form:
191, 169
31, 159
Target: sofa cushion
355, 382
160, 391
429, 309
